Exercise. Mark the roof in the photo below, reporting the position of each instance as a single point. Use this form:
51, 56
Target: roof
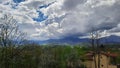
110, 54
91, 53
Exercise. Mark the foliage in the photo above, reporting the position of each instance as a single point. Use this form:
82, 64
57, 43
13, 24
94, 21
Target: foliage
35, 56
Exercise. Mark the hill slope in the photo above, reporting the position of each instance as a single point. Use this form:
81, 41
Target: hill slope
74, 40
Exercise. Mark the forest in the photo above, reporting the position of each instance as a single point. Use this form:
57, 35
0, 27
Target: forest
45, 56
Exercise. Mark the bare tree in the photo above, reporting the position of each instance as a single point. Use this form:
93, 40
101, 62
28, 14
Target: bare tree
95, 37
10, 37
93, 47
9, 31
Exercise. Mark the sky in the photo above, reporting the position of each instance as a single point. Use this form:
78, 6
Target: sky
56, 19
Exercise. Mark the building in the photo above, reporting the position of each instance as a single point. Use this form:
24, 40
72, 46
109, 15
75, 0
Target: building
102, 59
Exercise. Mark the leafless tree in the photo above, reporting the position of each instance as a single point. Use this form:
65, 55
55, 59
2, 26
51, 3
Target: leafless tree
9, 32
93, 47
10, 37
95, 37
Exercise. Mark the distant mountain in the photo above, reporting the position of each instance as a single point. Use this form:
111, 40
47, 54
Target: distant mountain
74, 40
68, 40
111, 39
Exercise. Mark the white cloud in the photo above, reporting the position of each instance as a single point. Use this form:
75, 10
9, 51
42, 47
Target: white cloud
4, 1
35, 4
65, 17
83, 16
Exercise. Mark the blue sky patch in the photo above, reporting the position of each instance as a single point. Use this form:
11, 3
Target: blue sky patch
18, 1
45, 6
41, 17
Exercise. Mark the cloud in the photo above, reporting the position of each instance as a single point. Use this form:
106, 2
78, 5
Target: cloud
64, 17
35, 4
72, 4
80, 17
4, 1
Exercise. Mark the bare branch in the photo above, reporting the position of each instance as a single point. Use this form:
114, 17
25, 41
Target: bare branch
9, 31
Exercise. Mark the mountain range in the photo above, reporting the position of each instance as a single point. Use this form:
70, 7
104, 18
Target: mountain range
75, 40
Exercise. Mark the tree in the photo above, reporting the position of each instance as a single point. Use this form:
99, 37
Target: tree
95, 37
10, 37
9, 31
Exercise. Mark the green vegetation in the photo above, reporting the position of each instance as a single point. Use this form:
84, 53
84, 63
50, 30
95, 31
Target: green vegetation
35, 56
45, 56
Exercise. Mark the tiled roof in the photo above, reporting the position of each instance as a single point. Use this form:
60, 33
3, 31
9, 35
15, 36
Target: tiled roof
89, 54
